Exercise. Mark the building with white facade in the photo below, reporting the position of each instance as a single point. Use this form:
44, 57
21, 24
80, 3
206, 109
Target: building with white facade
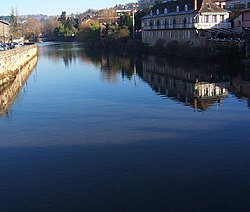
183, 20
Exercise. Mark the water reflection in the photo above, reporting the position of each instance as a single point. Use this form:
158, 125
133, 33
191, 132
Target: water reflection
67, 52
110, 64
196, 85
76, 138
193, 86
9, 92
241, 84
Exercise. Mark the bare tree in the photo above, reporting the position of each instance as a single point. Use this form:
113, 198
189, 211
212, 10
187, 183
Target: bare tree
31, 29
49, 26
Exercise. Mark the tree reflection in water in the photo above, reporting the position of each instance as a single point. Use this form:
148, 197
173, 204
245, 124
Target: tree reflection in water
198, 85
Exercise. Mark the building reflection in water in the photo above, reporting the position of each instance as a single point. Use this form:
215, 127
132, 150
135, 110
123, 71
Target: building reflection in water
194, 87
10, 91
197, 85
241, 84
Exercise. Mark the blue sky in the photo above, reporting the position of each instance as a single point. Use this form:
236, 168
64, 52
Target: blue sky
55, 7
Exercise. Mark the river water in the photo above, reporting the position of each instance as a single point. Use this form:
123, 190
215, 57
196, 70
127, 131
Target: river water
97, 131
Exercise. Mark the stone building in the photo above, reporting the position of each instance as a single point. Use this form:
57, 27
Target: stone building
4, 31
234, 5
241, 21
183, 20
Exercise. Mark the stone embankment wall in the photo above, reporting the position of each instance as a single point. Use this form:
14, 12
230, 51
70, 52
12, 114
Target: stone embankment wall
9, 91
12, 60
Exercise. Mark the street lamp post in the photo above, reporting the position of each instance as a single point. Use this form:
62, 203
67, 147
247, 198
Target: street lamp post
133, 13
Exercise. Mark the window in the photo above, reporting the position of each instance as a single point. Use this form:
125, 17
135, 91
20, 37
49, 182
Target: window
165, 11
214, 18
174, 22
222, 18
190, 20
208, 5
197, 19
157, 11
158, 22
186, 7
185, 21
151, 23
151, 12
206, 19
177, 9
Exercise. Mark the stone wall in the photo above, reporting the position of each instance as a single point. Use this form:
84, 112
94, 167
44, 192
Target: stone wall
12, 60
9, 91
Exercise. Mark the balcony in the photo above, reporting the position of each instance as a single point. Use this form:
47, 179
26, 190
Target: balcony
169, 26
224, 25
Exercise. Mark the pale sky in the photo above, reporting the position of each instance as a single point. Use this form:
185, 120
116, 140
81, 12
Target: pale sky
55, 7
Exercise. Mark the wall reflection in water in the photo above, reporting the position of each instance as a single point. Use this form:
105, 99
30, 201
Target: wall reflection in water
10, 91
197, 85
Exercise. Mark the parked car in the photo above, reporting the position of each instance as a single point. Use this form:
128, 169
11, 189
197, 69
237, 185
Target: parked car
1, 48
15, 44
10, 45
4, 46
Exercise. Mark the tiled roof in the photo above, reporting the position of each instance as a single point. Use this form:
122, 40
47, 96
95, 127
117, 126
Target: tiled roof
210, 6
202, 6
171, 5
3, 22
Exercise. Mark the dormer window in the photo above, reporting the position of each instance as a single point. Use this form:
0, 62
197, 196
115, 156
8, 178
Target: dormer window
151, 12
208, 5
157, 11
165, 11
177, 9
186, 7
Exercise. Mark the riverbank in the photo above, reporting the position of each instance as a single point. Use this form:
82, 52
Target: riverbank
211, 51
9, 91
12, 60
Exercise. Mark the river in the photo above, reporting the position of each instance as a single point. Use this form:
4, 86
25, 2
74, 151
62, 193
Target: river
98, 131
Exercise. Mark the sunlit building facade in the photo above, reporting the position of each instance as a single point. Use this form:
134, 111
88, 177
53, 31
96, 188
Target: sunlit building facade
4, 31
182, 20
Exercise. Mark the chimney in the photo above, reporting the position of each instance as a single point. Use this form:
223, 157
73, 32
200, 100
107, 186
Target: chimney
195, 5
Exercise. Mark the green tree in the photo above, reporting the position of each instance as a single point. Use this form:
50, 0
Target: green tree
125, 21
93, 32
68, 28
59, 32
14, 26
70, 24
63, 18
